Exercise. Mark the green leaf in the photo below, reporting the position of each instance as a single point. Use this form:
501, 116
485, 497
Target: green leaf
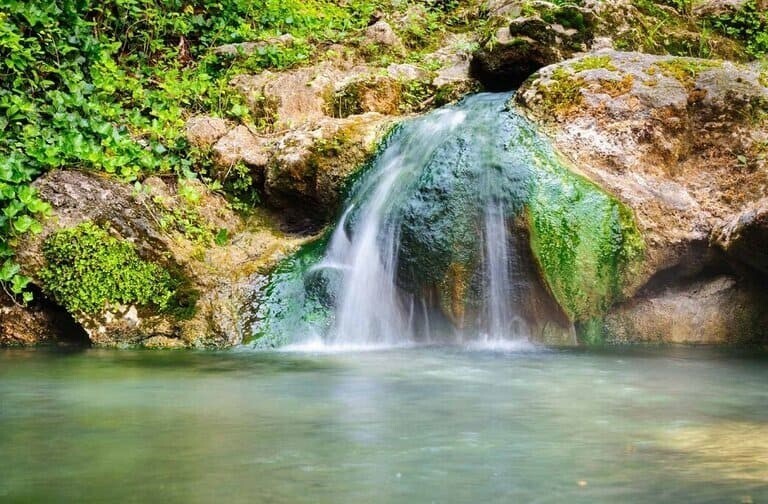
222, 237
8, 271
23, 223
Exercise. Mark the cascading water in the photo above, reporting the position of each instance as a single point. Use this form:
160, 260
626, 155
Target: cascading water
438, 237
371, 309
438, 198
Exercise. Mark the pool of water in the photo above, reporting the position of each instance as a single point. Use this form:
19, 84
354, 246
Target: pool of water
406, 425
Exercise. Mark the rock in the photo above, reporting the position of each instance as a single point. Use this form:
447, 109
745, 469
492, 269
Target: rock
204, 131
523, 44
173, 230
681, 141
709, 311
312, 165
707, 8
247, 48
240, 145
745, 236
162, 342
40, 322
322, 122
660, 133
381, 33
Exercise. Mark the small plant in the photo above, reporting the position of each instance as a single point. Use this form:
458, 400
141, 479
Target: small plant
686, 70
593, 63
88, 270
749, 25
562, 94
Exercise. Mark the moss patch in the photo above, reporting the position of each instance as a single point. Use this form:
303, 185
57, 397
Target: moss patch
585, 241
686, 70
562, 94
615, 88
593, 63
87, 270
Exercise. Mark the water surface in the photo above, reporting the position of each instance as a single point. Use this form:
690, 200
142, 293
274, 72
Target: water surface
435, 424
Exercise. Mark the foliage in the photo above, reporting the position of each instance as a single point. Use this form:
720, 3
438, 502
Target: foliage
748, 24
108, 85
686, 70
87, 269
593, 63
563, 92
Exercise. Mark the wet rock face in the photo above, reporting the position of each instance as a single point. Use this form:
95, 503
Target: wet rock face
165, 229
719, 310
681, 141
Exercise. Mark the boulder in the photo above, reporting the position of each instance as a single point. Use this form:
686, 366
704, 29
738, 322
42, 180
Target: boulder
382, 33
179, 227
681, 141
319, 124
204, 131
708, 311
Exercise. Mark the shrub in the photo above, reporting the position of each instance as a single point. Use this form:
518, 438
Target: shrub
87, 270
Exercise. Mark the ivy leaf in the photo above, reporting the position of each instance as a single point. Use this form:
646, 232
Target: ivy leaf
8, 271
19, 283
23, 223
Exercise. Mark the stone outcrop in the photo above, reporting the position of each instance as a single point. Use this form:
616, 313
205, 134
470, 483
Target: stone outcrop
745, 236
173, 228
522, 36
719, 310
682, 142
316, 125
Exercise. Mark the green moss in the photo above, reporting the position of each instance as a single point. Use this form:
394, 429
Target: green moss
562, 94
584, 240
87, 269
686, 70
593, 63
618, 87
763, 75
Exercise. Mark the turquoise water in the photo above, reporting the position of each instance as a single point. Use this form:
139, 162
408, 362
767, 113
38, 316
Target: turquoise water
434, 424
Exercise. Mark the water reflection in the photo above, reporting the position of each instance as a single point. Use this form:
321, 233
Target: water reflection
413, 425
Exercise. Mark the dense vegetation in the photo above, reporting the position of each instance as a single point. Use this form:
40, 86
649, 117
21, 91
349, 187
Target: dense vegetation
88, 269
107, 86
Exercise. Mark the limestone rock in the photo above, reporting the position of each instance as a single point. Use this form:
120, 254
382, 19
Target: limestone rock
240, 145
204, 131
382, 33
169, 229
663, 134
524, 43
681, 142
247, 48
710, 311
705, 8
745, 236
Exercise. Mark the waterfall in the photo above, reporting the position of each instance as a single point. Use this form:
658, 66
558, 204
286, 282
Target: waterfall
429, 247
371, 308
